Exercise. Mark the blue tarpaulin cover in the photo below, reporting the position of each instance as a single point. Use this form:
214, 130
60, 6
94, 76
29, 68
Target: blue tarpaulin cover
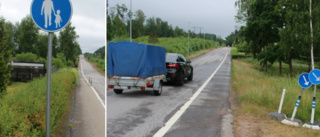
131, 59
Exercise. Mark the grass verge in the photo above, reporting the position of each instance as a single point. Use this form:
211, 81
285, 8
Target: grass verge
23, 109
256, 93
98, 64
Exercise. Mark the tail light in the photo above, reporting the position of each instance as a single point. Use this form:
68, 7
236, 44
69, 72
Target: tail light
143, 88
175, 65
149, 84
110, 86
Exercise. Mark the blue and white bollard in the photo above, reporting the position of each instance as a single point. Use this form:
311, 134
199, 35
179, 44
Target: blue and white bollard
313, 124
292, 121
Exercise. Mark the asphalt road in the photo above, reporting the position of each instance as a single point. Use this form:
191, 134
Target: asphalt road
88, 111
199, 108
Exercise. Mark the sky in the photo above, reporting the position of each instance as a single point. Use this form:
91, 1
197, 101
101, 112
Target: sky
88, 18
214, 16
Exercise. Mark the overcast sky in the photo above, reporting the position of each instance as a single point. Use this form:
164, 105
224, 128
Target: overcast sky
88, 18
215, 16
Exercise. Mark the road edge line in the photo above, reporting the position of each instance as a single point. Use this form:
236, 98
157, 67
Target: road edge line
94, 91
161, 132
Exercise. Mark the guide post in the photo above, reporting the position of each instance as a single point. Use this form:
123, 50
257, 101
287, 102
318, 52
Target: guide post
50, 16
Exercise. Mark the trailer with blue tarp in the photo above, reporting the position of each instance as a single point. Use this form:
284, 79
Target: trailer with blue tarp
135, 65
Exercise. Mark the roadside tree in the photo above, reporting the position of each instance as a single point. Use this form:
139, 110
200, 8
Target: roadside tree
5, 68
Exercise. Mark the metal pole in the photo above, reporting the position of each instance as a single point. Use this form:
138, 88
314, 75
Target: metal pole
312, 61
281, 102
49, 84
188, 38
130, 20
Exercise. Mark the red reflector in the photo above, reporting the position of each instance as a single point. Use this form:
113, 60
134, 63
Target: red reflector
110, 86
143, 88
175, 65
174, 75
148, 84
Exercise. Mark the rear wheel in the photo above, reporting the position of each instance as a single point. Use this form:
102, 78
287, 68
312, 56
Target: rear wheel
180, 80
159, 90
190, 77
118, 91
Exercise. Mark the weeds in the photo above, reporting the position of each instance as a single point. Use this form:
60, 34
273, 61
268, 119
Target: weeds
23, 109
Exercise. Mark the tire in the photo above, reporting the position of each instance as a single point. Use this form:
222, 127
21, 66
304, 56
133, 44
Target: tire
118, 91
180, 80
190, 77
159, 91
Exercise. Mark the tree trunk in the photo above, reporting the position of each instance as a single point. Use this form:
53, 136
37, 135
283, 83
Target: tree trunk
266, 67
290, 66
280, 66
309, 69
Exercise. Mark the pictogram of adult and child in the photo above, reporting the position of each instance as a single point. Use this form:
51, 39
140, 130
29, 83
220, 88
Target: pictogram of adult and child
47, 8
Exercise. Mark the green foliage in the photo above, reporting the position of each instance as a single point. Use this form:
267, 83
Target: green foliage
153, 37
26, 57
263, 89
283, 23
243, 47
27, 36
269, 55
234, 51
97, 60
57, 63
25, 41
118, 26
23, 109
68, 44
12, 32
101, 52
4, 58
138, 29
179, 44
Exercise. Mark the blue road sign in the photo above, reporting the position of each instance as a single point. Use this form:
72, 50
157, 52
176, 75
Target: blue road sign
51, 15
304, 81
314, 76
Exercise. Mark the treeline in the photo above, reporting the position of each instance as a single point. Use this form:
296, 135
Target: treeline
118, 25
97, 58
25, 38
278, 30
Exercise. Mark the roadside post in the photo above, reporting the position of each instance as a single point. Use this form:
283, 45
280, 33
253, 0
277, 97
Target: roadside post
304, 82
278, 115
50, 16
314, 77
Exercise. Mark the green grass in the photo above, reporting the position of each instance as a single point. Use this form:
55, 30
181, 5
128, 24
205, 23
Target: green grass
23, 108
177, 44
234, 51
100, 63
259, 92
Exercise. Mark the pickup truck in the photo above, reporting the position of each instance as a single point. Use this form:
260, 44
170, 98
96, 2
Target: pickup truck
132, 65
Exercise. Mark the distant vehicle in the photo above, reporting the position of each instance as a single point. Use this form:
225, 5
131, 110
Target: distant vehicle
136, 66
178, 68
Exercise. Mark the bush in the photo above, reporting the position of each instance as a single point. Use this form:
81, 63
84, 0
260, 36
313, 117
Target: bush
23, 110
26, 57
57, 63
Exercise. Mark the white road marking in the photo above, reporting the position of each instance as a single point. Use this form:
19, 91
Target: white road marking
179, 113
94, 91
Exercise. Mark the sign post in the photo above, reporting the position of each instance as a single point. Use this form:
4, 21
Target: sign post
50, 16
304, 82
314, 77
48, 85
